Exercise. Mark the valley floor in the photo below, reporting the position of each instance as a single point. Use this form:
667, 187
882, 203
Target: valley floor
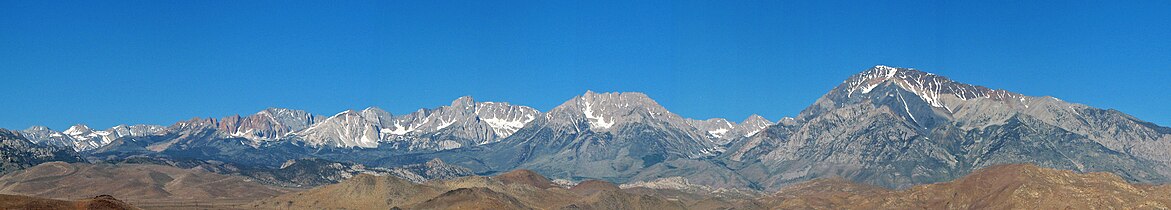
193, 204
1018, 186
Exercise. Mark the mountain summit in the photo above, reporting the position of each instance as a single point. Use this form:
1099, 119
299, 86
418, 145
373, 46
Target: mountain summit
936, 90
899, 127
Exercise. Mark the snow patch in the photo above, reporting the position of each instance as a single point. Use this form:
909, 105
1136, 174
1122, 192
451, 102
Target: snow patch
871, 79
505, 128
443, 124
718, 133
77, 130
907, 109
398, 129
595, 121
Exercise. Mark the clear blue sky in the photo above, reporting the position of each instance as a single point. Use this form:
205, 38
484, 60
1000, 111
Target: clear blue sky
125, 62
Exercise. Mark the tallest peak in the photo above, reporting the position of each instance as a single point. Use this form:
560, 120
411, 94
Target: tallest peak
930, 87
882, 72
885, 67
887, 71
866, 80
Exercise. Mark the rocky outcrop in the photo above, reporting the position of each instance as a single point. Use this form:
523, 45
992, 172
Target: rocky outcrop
898, 127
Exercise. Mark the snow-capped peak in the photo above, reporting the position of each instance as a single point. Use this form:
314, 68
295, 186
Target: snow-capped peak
754, 124
716, 127
603, 111
722, 131
871, 78
345, 129
505, 119
78, 130
464, 122
81, 137
930, 87
502, 118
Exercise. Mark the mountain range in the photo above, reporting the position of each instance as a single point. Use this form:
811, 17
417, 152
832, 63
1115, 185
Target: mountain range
885, 126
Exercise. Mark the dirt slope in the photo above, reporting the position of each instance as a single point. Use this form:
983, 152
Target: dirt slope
131, 182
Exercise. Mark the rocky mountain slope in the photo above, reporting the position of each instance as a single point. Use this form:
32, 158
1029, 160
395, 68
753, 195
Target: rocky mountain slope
17, 153
463, 123
898, 127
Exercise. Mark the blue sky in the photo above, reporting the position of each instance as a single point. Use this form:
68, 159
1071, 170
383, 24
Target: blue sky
105, 63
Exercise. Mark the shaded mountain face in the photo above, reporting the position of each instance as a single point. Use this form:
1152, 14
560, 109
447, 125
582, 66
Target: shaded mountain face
200, 140
898, 127
17, 153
